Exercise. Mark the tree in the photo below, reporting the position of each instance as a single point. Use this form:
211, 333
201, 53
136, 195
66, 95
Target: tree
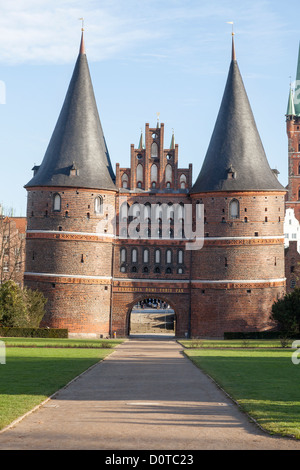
20, 307
286, 312
35, 307
13, 307
12, 248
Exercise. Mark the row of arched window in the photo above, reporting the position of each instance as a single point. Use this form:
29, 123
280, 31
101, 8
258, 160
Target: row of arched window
144, 211
153, 177
132, 258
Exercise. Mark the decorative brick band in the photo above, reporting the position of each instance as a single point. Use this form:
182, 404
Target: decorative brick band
152, 290
76, 236
67, 279
223, 241
239, 284
158, 285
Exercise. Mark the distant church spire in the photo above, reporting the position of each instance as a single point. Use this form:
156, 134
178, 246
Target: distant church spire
297, 87
141, 142
291, 106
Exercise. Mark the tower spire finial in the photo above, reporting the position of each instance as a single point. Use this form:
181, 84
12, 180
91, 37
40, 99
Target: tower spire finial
233, 46
82, 48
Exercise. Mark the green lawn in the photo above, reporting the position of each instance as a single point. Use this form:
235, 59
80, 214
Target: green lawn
264, 382
34, 371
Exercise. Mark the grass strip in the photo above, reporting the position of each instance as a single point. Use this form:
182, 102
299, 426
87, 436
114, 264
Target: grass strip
265, 383
238, 343
61, 342
32, 374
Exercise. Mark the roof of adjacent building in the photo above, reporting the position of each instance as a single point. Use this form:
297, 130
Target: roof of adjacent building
235, 159
77, 154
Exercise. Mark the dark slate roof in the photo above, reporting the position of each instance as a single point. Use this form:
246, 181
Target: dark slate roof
77, 155
235, 159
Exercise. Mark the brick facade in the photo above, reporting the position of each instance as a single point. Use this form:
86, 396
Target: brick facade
95, 253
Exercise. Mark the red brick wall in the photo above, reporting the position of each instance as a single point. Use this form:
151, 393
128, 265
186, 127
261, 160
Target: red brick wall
75, 250
231, 305
293, 133
292, 266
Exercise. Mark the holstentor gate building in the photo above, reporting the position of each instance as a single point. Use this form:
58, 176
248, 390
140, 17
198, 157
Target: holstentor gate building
93, 272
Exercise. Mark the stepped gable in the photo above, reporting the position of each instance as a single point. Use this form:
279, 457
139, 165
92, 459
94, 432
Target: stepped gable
77, 155
235, 159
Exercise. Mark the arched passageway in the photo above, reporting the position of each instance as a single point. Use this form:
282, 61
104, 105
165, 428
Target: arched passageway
152, 316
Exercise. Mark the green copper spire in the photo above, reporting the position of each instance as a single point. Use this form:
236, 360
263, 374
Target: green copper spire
297, 88
291, 107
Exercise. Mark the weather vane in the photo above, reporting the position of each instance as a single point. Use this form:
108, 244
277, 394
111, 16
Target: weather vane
157, 114
82, 23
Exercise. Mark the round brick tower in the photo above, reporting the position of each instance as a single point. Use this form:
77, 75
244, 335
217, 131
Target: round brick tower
70, 211
239, 272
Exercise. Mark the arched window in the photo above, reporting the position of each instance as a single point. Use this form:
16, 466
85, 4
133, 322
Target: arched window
168, 174
170, 212
153, 174
234, 209
169, 256
123, 255
56, 202
134, 255
182, 181
180, 212
139, 173
158, 211
157, 256
180, 256
135, 210
98, 205
146, 255
147, 212
154, 150
125, 180
124, 212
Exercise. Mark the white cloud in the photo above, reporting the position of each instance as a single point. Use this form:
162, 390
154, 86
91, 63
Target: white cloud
47, 31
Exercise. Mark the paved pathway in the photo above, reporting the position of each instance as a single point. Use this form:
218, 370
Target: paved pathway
145, 395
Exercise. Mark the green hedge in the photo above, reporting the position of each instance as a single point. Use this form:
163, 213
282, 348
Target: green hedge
33, 332
256, 335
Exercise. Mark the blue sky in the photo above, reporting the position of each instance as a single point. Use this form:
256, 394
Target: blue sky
146, 57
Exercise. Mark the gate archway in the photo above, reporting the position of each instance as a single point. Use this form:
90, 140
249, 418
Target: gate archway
152, 316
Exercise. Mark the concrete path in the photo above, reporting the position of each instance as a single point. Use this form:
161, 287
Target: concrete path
145, 396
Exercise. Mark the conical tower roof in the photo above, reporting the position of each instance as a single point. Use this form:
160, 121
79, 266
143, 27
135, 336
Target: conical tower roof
77, 155
235, 159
